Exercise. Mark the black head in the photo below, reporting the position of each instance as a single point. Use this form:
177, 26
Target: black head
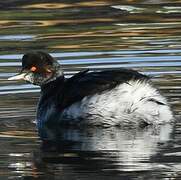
38, 68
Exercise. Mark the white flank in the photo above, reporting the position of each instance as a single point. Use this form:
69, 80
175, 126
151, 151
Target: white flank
127, 103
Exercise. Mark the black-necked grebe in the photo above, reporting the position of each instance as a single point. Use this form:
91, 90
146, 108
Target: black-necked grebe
110, 97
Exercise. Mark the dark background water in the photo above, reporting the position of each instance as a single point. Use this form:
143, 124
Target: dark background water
144, 35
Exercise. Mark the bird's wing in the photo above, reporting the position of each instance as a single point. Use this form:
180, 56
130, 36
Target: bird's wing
87, 83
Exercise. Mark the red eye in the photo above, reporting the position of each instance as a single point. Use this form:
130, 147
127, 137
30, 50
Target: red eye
33, 69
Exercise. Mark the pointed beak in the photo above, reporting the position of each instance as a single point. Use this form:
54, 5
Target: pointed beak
18, 77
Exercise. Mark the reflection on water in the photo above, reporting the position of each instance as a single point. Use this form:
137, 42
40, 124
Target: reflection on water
144, 35
109, 150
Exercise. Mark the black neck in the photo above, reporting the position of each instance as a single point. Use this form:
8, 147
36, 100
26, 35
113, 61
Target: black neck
52, 86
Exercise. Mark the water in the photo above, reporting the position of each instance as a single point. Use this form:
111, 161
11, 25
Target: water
144, 35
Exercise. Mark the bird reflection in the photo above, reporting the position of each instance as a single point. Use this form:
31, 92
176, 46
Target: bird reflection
101, 149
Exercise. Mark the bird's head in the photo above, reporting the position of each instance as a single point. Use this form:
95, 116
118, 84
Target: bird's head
38, 68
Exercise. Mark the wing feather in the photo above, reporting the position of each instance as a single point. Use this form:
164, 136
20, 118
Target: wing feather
87, 83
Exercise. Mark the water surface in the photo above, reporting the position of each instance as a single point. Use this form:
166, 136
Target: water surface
143, 35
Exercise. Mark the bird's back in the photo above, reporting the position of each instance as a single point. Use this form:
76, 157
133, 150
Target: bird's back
86, 83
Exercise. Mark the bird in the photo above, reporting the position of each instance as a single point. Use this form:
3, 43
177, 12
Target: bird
114, 97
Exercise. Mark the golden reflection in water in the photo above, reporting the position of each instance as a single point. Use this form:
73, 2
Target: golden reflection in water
125, 37
67, 47
122, 32
8, 23
85, 46
19, 134
94, 3
45, 23
90, 34
77, 4
65, 5
73, 21
47, 6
